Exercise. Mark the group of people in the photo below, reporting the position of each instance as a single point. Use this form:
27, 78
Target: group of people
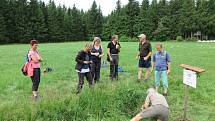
89, 61
89, 65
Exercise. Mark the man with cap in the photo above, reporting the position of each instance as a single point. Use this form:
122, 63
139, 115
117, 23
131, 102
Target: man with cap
155, 106
144, 56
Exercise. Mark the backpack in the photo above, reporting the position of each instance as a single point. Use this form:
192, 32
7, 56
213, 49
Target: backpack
24, 67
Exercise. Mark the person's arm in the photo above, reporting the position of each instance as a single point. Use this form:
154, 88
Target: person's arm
102, 54
138, 54
35, 58
78, 58
95, 54
168, 71
153, 62
146, 103
168, 64
150, 52
119, 46
108, 52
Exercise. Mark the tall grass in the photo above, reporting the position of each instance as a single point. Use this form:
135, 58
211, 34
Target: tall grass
108, 100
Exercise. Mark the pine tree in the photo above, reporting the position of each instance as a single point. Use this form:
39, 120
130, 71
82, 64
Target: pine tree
132, 12
94, 21
153, 18
53, 25
77, 24
21, 20
174, 8
211, 19
3, 38
187, 23
144, 24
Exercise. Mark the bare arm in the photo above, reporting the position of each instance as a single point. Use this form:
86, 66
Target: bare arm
168, 71
153, 66
102, 54
35, 58
138, 55
108, 51
146, 104
149, 54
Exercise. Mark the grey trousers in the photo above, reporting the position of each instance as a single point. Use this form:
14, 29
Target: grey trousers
159, 111
114, 66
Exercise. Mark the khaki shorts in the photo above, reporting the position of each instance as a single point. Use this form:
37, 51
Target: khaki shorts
159, 111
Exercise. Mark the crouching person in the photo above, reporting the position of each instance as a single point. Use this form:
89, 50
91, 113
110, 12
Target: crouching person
155, 106
83, 67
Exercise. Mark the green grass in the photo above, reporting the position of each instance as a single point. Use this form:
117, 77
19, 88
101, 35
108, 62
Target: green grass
108, 101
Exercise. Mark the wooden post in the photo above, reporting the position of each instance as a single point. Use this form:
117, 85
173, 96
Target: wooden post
186, 87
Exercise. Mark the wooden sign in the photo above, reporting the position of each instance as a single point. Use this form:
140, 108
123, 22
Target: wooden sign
189, 78
192, 68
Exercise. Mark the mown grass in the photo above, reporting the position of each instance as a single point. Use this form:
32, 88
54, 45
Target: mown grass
108, 101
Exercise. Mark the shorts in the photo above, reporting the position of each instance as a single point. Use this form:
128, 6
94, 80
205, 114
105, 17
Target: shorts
144, 63
158, 111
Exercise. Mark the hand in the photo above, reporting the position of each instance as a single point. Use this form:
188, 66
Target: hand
117, 46
145, 58
152, 70
100, 56
168, 71
86, 62
142, 108
111, 59
96, 54
91, 62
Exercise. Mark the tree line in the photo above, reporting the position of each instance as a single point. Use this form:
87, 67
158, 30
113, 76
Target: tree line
23, 20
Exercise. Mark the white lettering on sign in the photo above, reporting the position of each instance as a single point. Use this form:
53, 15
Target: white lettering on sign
189, 78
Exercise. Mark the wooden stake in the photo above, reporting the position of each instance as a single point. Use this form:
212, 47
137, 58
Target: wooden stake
186, 89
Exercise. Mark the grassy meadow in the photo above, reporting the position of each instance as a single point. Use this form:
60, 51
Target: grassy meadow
108, 101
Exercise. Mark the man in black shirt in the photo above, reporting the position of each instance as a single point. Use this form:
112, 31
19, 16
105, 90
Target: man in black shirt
113, 51
144, 56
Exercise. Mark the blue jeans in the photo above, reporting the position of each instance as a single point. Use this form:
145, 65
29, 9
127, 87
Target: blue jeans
161, 75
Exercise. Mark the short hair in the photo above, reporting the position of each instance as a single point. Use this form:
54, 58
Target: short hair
33, 42
114, 37
96, 39
159, 44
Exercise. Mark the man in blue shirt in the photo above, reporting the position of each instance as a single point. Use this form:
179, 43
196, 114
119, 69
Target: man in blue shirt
161, 64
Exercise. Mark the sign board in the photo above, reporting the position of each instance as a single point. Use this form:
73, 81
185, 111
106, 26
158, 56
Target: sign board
189, 78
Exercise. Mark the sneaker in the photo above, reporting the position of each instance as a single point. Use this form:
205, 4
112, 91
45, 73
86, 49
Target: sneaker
145, 80
165, 94
36, 98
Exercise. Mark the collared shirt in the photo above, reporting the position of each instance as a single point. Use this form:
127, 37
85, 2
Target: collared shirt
144, 49
161, 59
112, 48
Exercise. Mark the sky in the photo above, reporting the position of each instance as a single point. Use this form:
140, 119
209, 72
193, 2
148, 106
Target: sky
106, 5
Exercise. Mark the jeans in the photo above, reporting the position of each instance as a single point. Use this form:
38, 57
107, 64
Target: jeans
161, 75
